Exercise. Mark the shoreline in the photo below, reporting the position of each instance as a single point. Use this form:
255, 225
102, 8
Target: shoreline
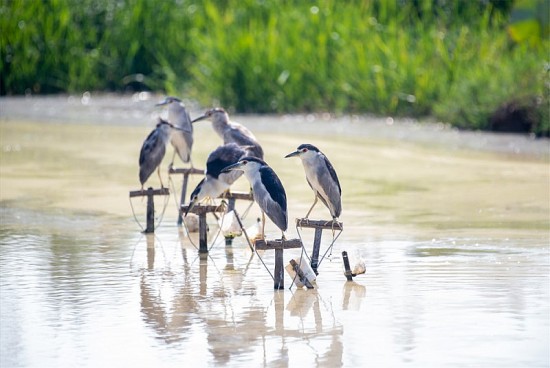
139, 109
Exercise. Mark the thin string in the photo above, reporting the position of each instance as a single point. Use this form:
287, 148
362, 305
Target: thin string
334, 238
134, 213
165, 205
250, 244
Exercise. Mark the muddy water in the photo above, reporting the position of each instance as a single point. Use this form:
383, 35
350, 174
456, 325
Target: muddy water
453, 228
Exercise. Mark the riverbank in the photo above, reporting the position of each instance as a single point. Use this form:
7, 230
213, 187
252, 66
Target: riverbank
139, 110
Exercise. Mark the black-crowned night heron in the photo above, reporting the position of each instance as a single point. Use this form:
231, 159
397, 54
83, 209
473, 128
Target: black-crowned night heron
267, 189
321, 177
182, 139
215, 182
153, 150
232, 132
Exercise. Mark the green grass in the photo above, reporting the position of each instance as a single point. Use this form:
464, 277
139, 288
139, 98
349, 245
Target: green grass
452, 60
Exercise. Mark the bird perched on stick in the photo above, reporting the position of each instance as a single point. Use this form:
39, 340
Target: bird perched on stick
153, 150
232, 132
182, 139
321, 177
267, 189
215, 182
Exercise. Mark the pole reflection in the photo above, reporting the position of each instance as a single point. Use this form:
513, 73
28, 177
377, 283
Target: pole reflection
179, 303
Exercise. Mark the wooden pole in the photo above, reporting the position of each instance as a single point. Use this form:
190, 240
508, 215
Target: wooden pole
182, 198
279, 246
347, 268
230, 207
150, 212
300, 273
201, 211
279, 273
316, 248
186, 173
203, 240
319, 226
150, 193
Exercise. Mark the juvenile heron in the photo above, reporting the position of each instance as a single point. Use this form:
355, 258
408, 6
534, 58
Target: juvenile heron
153, 150
267, 189
321, 177
232, 132
182, 139
215, 182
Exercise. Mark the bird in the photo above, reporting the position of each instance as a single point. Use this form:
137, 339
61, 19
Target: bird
181, 140
215, 182
232, 132
321, 177
153, 150
267, 189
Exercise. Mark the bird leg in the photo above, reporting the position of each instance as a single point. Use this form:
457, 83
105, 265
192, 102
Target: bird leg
313, 205
158, 172
333, 222
172, 162
263, 226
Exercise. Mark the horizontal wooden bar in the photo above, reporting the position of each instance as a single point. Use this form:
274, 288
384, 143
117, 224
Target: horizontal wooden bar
261, 244
320, 224
238, 195
200, 209
188, 171
149, 191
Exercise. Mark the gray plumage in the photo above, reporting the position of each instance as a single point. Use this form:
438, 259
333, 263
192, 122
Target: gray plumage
232, 132
182, 139
267, 188
153, 150
215, 181
321, 177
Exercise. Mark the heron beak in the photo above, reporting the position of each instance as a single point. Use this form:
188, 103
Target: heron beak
202, 117
165, 102
292, 154
229, 168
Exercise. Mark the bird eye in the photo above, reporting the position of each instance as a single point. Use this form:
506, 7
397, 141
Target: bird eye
304, 149
244, 162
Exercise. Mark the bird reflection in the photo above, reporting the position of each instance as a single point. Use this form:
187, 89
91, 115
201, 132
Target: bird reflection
175, 301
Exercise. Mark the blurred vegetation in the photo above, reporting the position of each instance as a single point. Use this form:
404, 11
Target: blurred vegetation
457, 61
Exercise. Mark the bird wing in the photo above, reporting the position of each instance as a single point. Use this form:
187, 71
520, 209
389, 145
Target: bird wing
332, 172
275, 204
151, 155
182, 140
331, 187
243, 137
182, 143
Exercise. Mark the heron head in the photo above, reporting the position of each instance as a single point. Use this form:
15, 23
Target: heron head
214, 113
168, 100
245, 164
303, 149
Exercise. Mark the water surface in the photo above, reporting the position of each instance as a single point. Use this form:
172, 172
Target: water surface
453, 228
